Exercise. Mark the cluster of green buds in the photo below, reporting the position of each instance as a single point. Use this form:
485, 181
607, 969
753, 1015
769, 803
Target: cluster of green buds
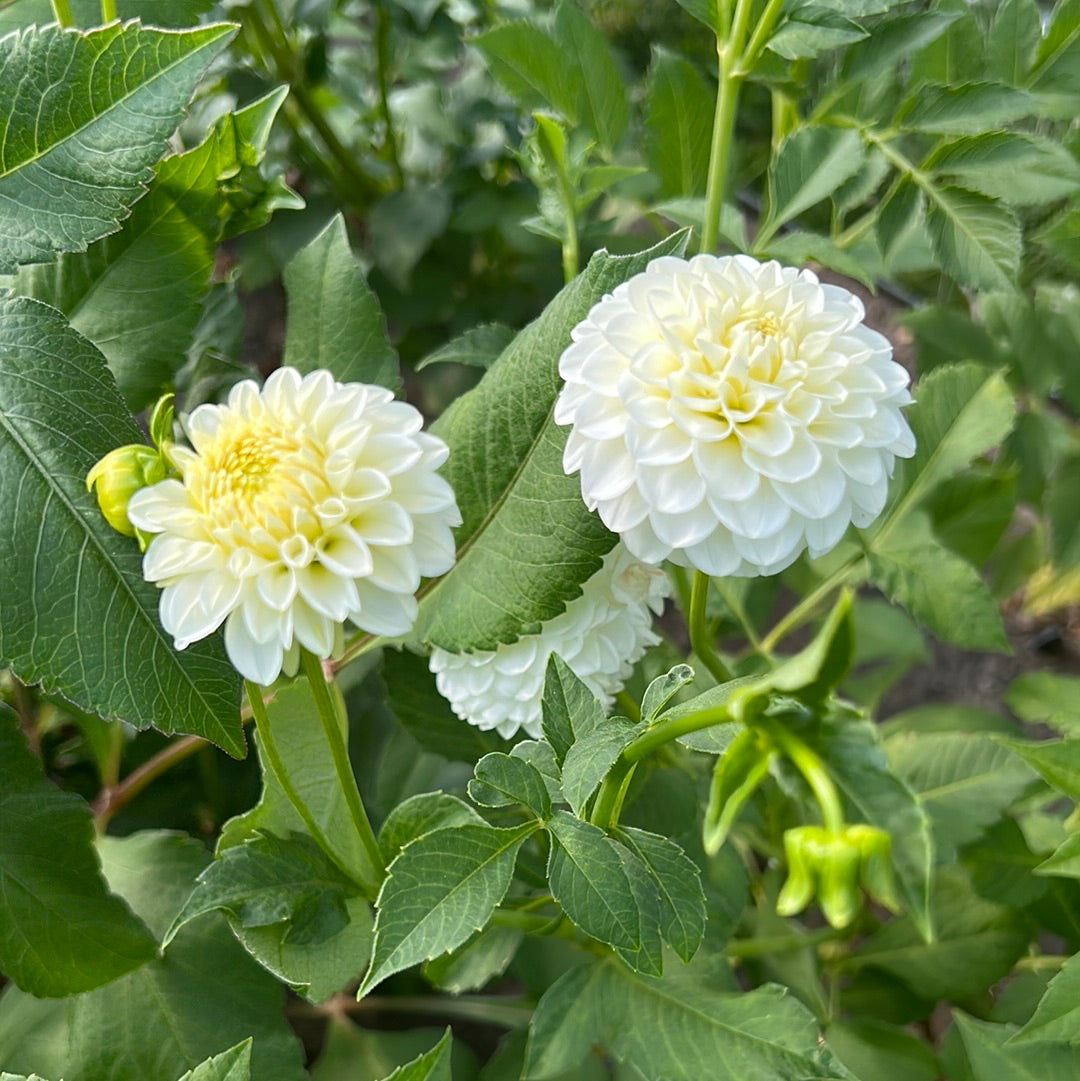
123, 471
832, 865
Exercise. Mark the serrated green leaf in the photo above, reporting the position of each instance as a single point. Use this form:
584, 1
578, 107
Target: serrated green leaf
874, 1049
676, 1028
231, 1065
527, 542
797, 248
706, 11
678, 111
471, 967
569, 710
1044, 697
502, 780
967, 109
588, 880
590, 757
77, 615
976, 943
898, 38
333, 319
87, 119
803, 38
86, 14
530, 65
477, 348
971, 512
808, 167
1056, 761
421, 814
677, 881
270, 880
1055, 69
975, 239
137, 295
1019, 168
540, 754
898, 214
1014, 35
1057, 1016
433, 1065
439, 890
648, 958
859, 767
994, 1057
61, 930
662, 689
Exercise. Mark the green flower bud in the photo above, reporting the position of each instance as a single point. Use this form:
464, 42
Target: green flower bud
798, 891
118, 476
875, 864
838, 881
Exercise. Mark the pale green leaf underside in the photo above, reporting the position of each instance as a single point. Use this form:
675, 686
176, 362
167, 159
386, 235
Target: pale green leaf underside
61, 930
76, 614
526, 543
88, 117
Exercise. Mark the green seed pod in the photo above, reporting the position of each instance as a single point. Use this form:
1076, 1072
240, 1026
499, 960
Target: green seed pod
118, 476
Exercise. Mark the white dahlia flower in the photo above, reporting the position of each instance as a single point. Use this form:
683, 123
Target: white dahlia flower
600, 636
299, 506
728, 414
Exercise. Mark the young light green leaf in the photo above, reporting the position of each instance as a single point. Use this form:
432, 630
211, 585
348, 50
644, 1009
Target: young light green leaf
857, 762
941, 590
472, 966
588, 880
77, 615
994, 1057
809, 166
662, 689
231, 1065
502, 780
975, 239
760, 1035
678, 111
530, 65
1057, 1016
433, 1065
1064, 861
137, 295
61, 930
1044, 697
477, 348
421, 814
569, 709
1057, 761
439, 890
87, 117
527, 542
677, 882
333, 319
591, 756
967, 109
269, 880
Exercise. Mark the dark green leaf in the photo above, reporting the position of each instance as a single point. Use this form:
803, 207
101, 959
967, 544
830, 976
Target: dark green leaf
1014, 35
648, 958
706, 11
1046, 698
439, 890
994, 1058
86, 14
971, 512
897, 215
587, 762
1065, 861
678, 124
268, 880
531, 66
527, 542
1057, 1017
403, 225
61, 930
968, 109
77, 615
540, 754
334, 320
502, 780
873, 1049
797, 248
472, 966
677, 881
975, 239
570, 709
803, 38
588, 880
231, 1065
87, 118
421, 814
1057, 761
1055, 70
478, 348
433, 1065
678, 1029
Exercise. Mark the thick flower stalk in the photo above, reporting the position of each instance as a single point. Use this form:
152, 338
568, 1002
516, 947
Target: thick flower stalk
728, 414
300, 505
600, 636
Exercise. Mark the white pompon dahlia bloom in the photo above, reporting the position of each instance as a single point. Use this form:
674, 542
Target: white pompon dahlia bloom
600, 636
300, 505
727, 414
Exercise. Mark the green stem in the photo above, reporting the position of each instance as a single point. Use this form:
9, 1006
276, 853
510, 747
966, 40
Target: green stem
609, 799
629, 707
362, 644
765, 945
281, 775
285, 68
809, 604
382, 58
328, 715
699, 634
727, 101
108, 10
571, 255
807, 762
62, 11
760, 37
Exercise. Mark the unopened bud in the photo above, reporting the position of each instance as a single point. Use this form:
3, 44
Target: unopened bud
118, 476
875, 864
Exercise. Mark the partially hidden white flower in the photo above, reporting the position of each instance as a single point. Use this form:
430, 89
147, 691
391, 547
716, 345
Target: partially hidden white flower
727, 414
300, 505
600, 636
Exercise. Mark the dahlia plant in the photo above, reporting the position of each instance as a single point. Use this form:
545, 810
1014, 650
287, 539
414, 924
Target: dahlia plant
434, 641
